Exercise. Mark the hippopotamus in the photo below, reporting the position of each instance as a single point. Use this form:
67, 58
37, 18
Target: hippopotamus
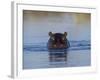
58, 45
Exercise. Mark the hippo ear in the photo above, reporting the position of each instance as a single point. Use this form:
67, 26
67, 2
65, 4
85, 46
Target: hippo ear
50, 33
65, 33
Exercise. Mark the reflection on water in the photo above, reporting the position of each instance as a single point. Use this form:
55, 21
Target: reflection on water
57, 55
35, 60
35, 57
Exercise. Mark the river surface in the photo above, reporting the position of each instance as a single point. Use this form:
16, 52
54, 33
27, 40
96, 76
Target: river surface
37, 56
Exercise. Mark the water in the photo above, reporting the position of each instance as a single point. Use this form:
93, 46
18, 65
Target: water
37, 56
74, 45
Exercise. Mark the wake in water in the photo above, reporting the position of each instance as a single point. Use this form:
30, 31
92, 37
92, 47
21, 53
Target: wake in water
74, 45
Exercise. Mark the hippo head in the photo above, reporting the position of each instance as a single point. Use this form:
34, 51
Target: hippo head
58, 40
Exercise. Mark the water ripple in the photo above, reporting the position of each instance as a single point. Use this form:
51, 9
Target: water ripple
74, 45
